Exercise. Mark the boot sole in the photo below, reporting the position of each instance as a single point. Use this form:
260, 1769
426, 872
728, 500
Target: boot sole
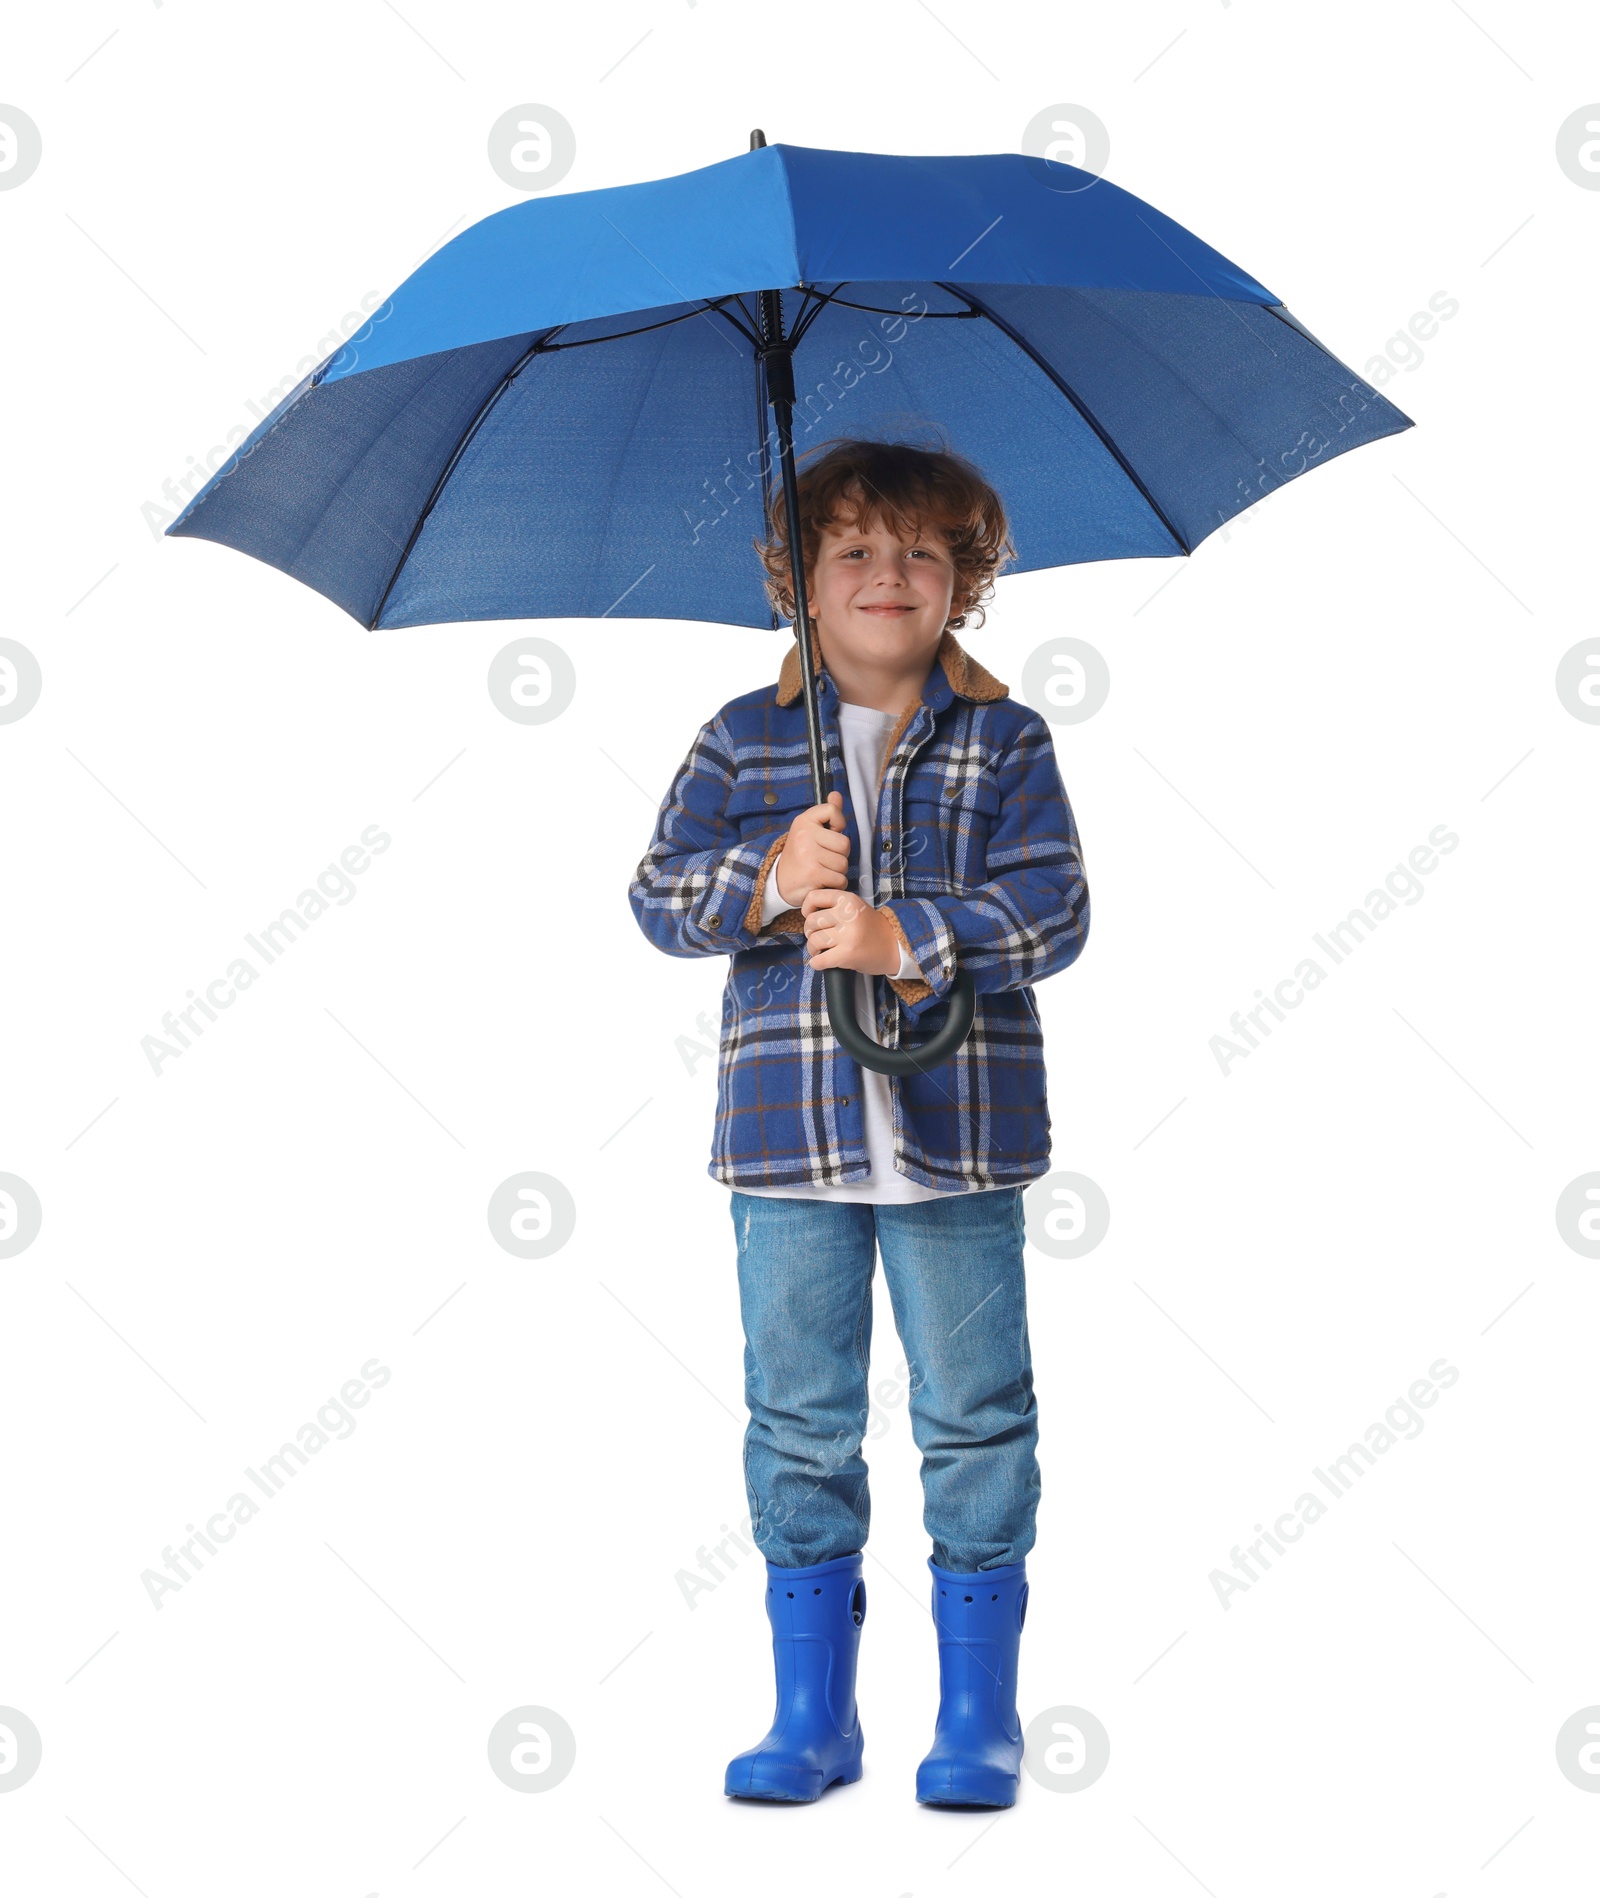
975, 1789
952, 1802
774, 1793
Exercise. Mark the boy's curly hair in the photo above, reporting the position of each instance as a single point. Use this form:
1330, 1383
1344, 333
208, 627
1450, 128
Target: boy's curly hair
904, 486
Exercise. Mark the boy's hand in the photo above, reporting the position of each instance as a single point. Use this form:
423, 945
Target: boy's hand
842, 932
816, 855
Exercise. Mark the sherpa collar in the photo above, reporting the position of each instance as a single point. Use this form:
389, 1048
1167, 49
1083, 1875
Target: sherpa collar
966, 678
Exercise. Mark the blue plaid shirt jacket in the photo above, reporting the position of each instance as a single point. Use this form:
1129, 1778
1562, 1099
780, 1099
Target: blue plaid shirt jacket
975, 857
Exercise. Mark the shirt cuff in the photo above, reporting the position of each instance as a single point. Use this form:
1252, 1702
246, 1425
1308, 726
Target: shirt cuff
923, 931
766, 911
772, 904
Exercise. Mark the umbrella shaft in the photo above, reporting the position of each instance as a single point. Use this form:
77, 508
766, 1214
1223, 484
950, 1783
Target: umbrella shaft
802, 616
839, 985
778, 365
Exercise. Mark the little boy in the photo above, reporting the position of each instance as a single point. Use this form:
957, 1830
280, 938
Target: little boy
948, 844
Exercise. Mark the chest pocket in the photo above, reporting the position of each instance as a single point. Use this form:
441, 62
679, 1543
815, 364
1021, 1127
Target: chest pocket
948, 815
759, 805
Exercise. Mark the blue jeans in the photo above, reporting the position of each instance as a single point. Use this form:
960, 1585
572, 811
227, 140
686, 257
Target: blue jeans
955, 1276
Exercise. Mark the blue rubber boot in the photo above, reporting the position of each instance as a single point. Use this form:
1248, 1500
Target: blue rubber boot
977, 1740
815, 1739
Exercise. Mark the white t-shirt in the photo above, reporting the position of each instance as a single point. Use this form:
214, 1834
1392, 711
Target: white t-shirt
863, 733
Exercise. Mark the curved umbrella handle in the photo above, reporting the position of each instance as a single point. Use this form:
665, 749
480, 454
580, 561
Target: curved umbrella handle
847, 1031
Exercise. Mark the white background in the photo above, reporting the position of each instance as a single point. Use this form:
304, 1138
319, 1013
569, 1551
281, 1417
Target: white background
1368, 655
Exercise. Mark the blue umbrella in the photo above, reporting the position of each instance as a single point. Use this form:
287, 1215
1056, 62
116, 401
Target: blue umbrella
554, 414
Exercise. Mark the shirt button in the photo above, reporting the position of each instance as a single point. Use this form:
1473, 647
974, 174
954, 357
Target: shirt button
954, 791
845, 1099
713, 922
770, 798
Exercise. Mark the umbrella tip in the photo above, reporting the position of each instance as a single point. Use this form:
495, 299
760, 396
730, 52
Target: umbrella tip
758, 138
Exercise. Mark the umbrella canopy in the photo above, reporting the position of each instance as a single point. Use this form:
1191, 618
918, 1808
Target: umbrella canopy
564, 412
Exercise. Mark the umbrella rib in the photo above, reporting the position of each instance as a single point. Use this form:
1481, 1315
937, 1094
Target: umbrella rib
804, 318
617, 336
716, 307
872, 309
456, 453
542, 346
1299, 328
1077, 402
1294, 323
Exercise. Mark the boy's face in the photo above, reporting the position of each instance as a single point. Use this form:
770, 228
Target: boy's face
880, 598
